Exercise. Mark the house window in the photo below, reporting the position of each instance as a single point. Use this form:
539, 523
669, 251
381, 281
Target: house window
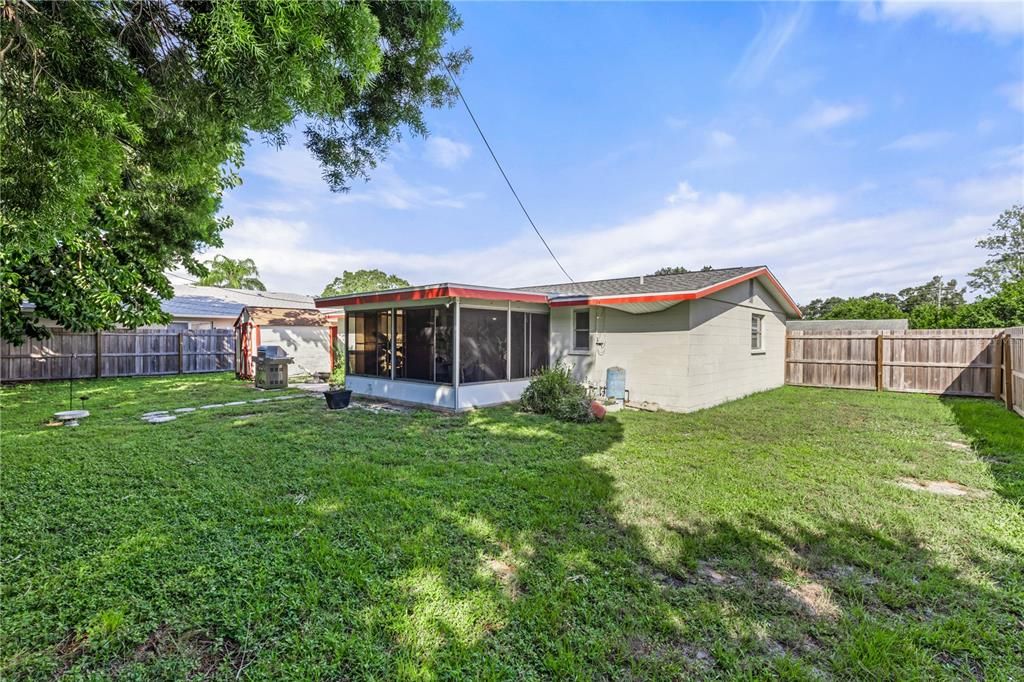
483, 344
529, 344
581, 330
369, 343
423, 339
756, 332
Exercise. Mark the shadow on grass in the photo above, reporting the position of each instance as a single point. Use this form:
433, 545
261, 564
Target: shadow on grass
481, 546
997, 435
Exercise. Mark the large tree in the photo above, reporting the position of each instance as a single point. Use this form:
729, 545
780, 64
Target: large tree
240, 273
124, 121
866, 308
363, 280
1005, 247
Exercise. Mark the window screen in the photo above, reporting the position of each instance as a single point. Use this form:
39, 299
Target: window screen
482, 345
539, 345
423, 344
581, 330
520, 345
369, 342
756, 335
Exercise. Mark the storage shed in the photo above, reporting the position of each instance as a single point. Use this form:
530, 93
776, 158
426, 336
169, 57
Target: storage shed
307, 335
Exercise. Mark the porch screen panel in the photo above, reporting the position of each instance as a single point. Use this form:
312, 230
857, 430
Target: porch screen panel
443, 334
519, 344
540, 330
415, 356
369, 342
482, 345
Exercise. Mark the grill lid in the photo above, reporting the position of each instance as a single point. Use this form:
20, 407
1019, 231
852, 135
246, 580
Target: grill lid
271, 352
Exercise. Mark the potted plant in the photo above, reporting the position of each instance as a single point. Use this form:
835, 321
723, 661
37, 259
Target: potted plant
336, 395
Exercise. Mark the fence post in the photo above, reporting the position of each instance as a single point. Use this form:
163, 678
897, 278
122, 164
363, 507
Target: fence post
997, 366
181, 353
99, 354
878, 364
1007, 372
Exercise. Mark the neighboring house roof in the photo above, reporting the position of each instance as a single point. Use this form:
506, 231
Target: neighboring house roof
197, 301
895, 325
652, 291
284, 317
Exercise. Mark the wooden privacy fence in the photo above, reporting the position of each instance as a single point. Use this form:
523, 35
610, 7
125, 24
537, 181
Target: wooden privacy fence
118, 353
966, 362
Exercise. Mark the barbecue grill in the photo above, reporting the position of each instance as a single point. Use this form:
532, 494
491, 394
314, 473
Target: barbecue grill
271, 363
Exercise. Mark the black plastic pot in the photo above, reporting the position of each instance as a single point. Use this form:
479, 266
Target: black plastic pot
337, 399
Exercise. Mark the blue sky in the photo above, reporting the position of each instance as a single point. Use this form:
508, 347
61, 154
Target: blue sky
850, 147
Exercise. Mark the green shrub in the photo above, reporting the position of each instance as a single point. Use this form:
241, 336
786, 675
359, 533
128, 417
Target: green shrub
553, 391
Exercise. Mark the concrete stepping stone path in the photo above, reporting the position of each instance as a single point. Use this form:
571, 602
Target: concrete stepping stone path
163, 416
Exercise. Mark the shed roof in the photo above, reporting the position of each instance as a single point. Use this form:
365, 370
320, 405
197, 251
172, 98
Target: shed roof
285, 317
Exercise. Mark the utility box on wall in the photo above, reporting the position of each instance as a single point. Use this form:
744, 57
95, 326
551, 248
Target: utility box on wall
615, 383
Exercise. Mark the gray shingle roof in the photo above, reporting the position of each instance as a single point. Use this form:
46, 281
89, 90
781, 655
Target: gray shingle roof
196, 301
651, 284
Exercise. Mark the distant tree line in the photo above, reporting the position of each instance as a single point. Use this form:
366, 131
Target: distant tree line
941, 304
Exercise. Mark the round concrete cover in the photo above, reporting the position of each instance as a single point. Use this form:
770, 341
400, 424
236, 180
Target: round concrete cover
68, 415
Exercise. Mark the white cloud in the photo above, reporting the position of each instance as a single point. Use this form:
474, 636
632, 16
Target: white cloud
676, 123
775, 33
997, 17
295, 169
683, 193
919, 141
1014, 94
721, 139
719, 149
819, 244
445, 152
823, 116
388, 189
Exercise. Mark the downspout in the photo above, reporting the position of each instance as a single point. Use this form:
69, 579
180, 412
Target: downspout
508, 342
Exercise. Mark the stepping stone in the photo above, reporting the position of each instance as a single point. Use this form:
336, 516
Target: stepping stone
940, 487
237, 402
261, 400
185, 409
153, 414
210, 407
161, 418
71, 415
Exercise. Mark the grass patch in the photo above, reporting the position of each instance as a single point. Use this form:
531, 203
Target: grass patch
763, 538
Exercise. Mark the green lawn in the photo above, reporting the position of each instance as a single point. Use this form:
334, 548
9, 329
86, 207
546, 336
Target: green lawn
763, 538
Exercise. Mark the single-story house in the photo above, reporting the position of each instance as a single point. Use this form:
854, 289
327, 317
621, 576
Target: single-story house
199, 307
306, 334
683, 342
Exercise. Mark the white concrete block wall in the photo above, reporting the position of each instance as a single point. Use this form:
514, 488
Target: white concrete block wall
651, 347
310, 347
721, 364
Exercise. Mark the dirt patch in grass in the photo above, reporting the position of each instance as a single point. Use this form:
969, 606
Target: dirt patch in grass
956, 445
209, 655
68, 650
692, 657
506, 574
951, 488
812, 598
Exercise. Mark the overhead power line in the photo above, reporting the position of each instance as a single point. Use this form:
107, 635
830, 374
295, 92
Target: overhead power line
508, 182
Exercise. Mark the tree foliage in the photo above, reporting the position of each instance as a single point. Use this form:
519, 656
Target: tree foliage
363, 280
866, 308
124, 121
676, 270
240, 273
1005, 246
